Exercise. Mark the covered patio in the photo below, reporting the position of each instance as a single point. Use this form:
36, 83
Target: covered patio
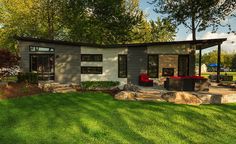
204, 44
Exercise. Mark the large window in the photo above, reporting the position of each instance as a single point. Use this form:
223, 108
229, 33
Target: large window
91, 57
40, 49
122, 66
91, 70
43, 65
153, 63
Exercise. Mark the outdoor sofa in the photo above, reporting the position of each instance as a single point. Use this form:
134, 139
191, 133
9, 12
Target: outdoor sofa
186, 83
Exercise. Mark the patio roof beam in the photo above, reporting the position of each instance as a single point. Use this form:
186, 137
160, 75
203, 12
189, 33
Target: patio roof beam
218, 62
200, 62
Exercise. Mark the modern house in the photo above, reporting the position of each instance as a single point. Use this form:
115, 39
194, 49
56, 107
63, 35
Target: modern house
67, 62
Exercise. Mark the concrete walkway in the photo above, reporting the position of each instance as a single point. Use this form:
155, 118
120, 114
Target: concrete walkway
216, 94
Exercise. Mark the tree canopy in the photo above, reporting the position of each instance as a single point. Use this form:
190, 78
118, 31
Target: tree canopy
196, 15
101, 22
211, 58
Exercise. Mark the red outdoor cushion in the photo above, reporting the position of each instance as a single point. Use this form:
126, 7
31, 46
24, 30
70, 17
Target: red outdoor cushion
144, 78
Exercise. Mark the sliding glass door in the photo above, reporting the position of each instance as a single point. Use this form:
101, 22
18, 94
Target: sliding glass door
183, 68
43, 64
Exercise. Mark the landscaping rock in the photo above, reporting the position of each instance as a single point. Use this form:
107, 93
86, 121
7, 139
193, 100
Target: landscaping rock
202, 86
131, 87
181, 98
231, 98
125, 95
210, 98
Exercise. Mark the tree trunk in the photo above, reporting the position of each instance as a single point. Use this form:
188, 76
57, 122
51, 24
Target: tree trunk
193, 28
50, 15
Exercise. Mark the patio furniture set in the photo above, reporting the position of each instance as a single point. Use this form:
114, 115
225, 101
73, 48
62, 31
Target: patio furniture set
179, 83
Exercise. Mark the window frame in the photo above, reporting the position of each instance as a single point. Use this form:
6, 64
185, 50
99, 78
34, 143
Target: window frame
126, 68
93, 60
49, 49
101, 68
187, 57
158, 63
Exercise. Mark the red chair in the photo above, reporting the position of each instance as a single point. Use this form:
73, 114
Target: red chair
144, 80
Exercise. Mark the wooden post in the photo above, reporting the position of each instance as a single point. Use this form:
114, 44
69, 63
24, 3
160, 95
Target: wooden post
218, 63
200, 61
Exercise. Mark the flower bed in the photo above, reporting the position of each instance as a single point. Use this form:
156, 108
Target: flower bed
12, 90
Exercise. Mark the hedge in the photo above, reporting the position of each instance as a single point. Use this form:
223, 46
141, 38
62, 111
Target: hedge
28, 77
98, 84
222, 77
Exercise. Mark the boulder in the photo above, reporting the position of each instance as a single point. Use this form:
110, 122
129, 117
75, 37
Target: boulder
181, 98
202, 86
231, 98
131, 87
125, 95
210, 98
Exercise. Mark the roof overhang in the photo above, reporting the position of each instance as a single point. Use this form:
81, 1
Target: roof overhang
203, 44
200, 44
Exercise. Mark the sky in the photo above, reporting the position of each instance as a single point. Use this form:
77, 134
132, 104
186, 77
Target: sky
185, 34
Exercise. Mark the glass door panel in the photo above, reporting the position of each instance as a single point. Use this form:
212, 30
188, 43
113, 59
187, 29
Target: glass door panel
43, 64
183, 68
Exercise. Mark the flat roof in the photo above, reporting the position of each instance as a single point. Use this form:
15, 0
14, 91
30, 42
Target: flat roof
201, 44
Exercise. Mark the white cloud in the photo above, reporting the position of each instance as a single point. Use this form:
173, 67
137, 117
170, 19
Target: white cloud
189, 37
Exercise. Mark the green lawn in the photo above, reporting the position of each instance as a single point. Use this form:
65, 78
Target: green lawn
97, 118
214, 73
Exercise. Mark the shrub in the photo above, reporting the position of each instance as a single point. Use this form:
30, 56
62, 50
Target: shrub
8, 62
222, 77
98, 84
28, 77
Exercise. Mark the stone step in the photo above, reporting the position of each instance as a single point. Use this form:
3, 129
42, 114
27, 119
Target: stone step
62, 88
66, 90
148, 95
148, 99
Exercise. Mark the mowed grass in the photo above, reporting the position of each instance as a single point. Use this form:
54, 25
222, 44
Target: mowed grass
98, 118
214, 73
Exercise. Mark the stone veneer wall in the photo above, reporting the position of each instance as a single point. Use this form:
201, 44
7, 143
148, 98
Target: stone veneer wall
168, 61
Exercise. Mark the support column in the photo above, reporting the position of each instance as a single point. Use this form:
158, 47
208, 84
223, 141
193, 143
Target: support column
218, 63
192, 61
200, 62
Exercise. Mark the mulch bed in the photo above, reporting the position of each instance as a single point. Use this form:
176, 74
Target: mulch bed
13, 90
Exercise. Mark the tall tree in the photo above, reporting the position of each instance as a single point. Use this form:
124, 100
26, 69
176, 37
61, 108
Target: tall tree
154, 31
33, 18
233, 63
162, 30
211, 57
104, 21
195, 15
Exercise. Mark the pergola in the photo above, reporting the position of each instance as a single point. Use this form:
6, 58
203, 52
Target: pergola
204, 44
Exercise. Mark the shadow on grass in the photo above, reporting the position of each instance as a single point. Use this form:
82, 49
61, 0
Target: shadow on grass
97, 118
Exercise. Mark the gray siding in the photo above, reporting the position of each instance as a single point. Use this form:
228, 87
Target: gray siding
67, 65
137, 63
67, 60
